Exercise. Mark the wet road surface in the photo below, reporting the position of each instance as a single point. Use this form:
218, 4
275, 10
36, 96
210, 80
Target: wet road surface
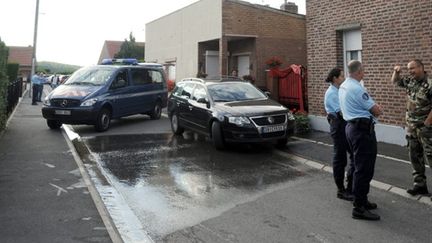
173, 182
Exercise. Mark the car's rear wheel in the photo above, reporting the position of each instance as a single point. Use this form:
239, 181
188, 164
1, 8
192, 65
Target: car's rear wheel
217, 136
54, 124
157, 111
175, 125
103, 120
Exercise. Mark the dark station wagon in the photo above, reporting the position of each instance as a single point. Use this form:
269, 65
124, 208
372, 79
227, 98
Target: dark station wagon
229, 111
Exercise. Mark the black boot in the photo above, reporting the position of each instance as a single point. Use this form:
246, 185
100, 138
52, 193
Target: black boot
370, 205
363, 213
344, 195
418, 190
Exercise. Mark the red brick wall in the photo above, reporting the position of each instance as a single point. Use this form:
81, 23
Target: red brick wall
278, 34
393, 32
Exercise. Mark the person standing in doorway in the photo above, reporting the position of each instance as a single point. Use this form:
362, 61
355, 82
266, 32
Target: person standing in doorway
337, 132
234, 73
360, 112
419, 121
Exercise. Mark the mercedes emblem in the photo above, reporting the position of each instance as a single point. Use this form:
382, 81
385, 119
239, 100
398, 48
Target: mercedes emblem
64, 103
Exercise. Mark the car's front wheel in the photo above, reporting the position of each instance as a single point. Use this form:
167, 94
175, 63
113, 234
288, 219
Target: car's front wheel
217, 136
175, 125
54, 124
103, 120
157, 111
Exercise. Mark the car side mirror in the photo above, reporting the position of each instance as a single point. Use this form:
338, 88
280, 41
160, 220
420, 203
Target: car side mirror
267, 93
204, 101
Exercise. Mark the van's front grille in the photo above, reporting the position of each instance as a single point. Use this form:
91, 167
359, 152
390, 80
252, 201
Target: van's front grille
65, 103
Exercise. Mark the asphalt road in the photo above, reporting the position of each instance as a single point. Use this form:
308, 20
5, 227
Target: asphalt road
160, 187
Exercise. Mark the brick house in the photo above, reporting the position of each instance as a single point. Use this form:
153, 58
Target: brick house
218, 36
379, 33
110, 48
23, 56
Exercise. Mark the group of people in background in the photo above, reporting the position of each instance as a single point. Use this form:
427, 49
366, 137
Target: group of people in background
352, 115
39, 79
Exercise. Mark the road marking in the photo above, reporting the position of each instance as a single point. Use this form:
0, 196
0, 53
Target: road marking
49, 165
331, 145
374, 183
59, 189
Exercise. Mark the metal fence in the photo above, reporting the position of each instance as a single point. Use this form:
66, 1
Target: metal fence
15, 90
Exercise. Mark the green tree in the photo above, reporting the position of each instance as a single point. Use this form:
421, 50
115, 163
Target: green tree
129, 49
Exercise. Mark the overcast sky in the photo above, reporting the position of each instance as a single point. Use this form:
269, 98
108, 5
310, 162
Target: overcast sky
73, 31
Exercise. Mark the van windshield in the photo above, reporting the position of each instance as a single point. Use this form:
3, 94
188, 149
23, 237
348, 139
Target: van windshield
94, 76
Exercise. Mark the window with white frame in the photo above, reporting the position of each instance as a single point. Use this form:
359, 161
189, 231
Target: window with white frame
352, 44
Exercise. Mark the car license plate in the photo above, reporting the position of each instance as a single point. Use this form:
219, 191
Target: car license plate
62, 112
273, 129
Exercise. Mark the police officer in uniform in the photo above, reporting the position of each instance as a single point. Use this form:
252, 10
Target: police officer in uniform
419, 121
337, 132
360, 112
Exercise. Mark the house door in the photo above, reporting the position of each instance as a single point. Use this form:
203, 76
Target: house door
212, 63
243, 64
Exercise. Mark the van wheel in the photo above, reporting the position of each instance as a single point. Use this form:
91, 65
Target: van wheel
103, 120
218, 140
175, 125
157, 111
54, 124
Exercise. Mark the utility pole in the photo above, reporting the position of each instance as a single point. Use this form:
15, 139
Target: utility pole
33, 69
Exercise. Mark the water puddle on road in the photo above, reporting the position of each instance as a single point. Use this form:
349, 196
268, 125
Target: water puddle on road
173, 182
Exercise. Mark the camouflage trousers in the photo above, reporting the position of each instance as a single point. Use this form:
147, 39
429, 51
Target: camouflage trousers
420, 152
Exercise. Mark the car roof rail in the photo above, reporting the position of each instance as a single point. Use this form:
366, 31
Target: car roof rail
224, 78
193, 79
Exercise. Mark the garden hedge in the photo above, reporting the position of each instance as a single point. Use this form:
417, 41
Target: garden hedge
4, 82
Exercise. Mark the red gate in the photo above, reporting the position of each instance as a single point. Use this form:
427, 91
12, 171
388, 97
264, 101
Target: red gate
292, 86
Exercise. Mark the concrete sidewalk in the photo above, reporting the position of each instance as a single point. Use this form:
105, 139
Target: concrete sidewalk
43, 196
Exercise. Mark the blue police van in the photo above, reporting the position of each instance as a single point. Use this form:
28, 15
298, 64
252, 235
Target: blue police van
94, 95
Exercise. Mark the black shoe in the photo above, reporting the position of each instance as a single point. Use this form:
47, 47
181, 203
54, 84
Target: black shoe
344, 195
34, 103
371, 205
363, 213
418, 190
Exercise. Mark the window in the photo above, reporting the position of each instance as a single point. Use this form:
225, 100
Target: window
141, 76
187, 91
199, 93
352, 43
156, 76
178, 89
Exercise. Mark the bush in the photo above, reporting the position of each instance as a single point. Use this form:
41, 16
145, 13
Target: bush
4, 82
302, 125
12, 71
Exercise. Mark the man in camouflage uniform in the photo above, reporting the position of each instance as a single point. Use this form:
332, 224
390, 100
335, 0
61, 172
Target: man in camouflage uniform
419, 121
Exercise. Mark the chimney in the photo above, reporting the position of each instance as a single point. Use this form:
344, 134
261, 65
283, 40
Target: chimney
289, 7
